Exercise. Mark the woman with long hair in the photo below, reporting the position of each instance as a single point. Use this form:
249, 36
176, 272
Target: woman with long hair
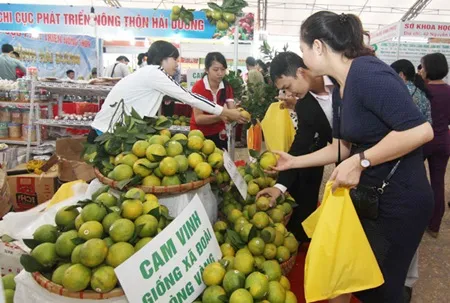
375, 126
218, 91
416, 86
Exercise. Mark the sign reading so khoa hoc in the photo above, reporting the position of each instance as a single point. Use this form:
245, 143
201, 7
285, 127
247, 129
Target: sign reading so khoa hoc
170, 267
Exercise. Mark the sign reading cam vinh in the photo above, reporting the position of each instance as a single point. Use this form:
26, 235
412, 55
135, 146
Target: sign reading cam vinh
170, 267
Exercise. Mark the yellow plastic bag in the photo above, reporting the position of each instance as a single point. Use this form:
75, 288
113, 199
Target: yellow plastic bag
65, 192
278, 128
340, 259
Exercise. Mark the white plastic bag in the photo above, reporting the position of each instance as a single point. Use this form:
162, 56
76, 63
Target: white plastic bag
28, 291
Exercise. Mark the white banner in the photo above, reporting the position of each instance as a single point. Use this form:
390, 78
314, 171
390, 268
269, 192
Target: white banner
170, 267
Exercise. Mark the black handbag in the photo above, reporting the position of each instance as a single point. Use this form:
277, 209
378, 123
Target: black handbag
366, 199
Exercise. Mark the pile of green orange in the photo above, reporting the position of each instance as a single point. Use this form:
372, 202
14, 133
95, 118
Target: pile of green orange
180, 120
254, 242
93, 237
163, 159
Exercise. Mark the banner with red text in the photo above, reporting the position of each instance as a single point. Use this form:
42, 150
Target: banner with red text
54, 54
113, 23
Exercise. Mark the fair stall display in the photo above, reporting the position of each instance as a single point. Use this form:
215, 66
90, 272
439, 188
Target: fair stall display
150, 178
410, 40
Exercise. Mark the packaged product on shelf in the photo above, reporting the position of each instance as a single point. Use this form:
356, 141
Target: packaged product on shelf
25, 115
15, 130
3, 130
16, 115
5, 114
26, 128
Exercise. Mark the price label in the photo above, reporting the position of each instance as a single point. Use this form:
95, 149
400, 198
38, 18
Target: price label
235, 175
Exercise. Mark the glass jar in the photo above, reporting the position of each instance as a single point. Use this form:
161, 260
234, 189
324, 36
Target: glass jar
26, 129
16, 115
5, 114
15, 130
3, 130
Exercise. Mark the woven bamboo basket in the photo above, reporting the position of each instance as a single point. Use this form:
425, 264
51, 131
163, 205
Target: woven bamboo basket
61, 291
286, 267
161, 190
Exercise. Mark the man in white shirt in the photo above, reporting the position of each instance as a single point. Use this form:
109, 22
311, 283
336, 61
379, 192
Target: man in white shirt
118, 69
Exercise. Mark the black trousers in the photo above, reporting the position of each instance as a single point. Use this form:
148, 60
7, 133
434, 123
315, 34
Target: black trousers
220, 144
305, 191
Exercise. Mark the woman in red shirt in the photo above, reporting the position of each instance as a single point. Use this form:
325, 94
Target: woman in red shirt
215, 89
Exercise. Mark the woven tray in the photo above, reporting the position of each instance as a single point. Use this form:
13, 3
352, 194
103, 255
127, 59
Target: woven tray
172, 189
61, 291
287, 266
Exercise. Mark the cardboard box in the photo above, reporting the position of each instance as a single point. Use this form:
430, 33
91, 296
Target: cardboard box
29, 190
5, 197
71, 166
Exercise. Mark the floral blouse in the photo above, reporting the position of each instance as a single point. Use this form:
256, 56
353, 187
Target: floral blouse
421, 100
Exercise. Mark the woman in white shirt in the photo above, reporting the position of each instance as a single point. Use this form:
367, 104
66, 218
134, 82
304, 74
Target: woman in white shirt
144, 90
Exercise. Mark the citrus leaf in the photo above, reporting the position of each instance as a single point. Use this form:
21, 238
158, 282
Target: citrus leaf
137, 231
253, 153
141, 136
78, 241
135, 114
235, 239
135, 180
190, 176
72, 207
223, 298
183, 142
165, 123
30, 264
107, 164
253, 233
31, 243
214, 6
130, 139
127, 147
103, 138
158, 158
122, 184
155, 212
153, 165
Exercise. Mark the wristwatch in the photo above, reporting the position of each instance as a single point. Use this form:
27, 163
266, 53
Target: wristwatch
365, 163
